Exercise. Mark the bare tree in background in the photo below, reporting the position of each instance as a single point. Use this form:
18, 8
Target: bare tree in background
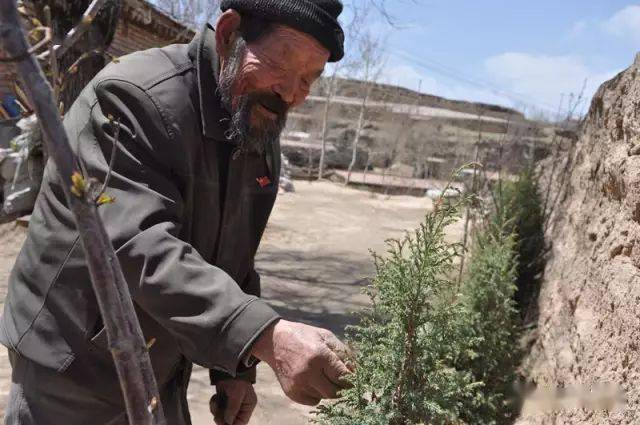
197, 12
359, 15
371, 66
192, 13
381, 7
403, 130
329, 93
562, 154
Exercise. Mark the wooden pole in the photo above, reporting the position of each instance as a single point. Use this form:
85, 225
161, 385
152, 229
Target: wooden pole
126, 342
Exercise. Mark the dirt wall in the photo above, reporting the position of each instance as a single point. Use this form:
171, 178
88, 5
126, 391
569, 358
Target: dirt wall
589, 308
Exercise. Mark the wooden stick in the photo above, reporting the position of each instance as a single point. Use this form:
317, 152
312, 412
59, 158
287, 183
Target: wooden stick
126, 342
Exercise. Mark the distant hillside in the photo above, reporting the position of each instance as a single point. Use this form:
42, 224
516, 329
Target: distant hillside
425, 135
395, 94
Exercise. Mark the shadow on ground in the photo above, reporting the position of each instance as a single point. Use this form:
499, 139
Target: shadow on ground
318, 290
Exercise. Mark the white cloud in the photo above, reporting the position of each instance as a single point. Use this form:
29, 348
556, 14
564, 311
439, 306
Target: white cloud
543, 79
408, 76
525, 80
625, 24
532, 83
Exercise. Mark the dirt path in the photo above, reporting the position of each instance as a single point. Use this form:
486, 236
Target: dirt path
313, 261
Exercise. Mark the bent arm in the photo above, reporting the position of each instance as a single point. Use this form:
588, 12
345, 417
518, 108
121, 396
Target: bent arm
213, 321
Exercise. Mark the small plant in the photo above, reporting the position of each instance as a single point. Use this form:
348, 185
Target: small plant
487, 294
522, 202
428, 351
410, 340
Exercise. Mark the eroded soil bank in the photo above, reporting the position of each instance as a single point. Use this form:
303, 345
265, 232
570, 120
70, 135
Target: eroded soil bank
589, 324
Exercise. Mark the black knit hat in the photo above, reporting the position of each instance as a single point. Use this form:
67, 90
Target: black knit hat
318, 18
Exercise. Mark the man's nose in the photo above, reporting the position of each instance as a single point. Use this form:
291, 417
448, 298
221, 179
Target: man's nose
287, 90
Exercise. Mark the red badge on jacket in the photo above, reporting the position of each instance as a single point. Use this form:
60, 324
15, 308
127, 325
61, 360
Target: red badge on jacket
263, 181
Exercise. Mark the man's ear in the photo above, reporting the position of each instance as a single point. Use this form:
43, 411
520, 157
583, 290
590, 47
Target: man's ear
226, 30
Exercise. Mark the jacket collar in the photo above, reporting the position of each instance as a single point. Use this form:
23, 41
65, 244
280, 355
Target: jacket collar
215, 117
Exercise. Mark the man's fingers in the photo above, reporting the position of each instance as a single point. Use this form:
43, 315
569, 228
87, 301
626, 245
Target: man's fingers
233, 407
336, 371
308, 400
247, 408
244, 415
216, 410
325, 387
309, 397
339, 349
332, 341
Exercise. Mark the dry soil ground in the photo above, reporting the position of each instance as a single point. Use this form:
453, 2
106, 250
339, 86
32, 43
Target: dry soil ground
314, 260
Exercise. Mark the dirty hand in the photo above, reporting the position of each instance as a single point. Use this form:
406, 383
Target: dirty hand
310, 362
233, 402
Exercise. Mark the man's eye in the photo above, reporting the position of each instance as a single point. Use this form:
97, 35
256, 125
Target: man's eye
275, 65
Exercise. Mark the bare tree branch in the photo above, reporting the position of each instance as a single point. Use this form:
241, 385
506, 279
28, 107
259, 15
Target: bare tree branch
356, 139
22, 56
128, 348
352, 30
325, 120
572, 105
192, 13
372, 65
53, 60
382, 9
84, 25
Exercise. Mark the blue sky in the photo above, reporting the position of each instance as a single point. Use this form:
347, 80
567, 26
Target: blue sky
526, 54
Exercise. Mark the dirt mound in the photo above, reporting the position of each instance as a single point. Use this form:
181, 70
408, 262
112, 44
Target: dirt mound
589, 320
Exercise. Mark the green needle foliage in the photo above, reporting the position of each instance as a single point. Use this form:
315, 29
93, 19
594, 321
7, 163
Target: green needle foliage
521, 201
487, 294
431, 350
409, 342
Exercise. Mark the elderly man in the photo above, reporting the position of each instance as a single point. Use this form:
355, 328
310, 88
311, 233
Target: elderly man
195, 177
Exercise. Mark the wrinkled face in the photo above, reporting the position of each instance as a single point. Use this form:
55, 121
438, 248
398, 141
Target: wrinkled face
285, 62
262, 80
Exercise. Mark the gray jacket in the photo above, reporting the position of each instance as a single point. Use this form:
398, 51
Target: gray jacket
188, 216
